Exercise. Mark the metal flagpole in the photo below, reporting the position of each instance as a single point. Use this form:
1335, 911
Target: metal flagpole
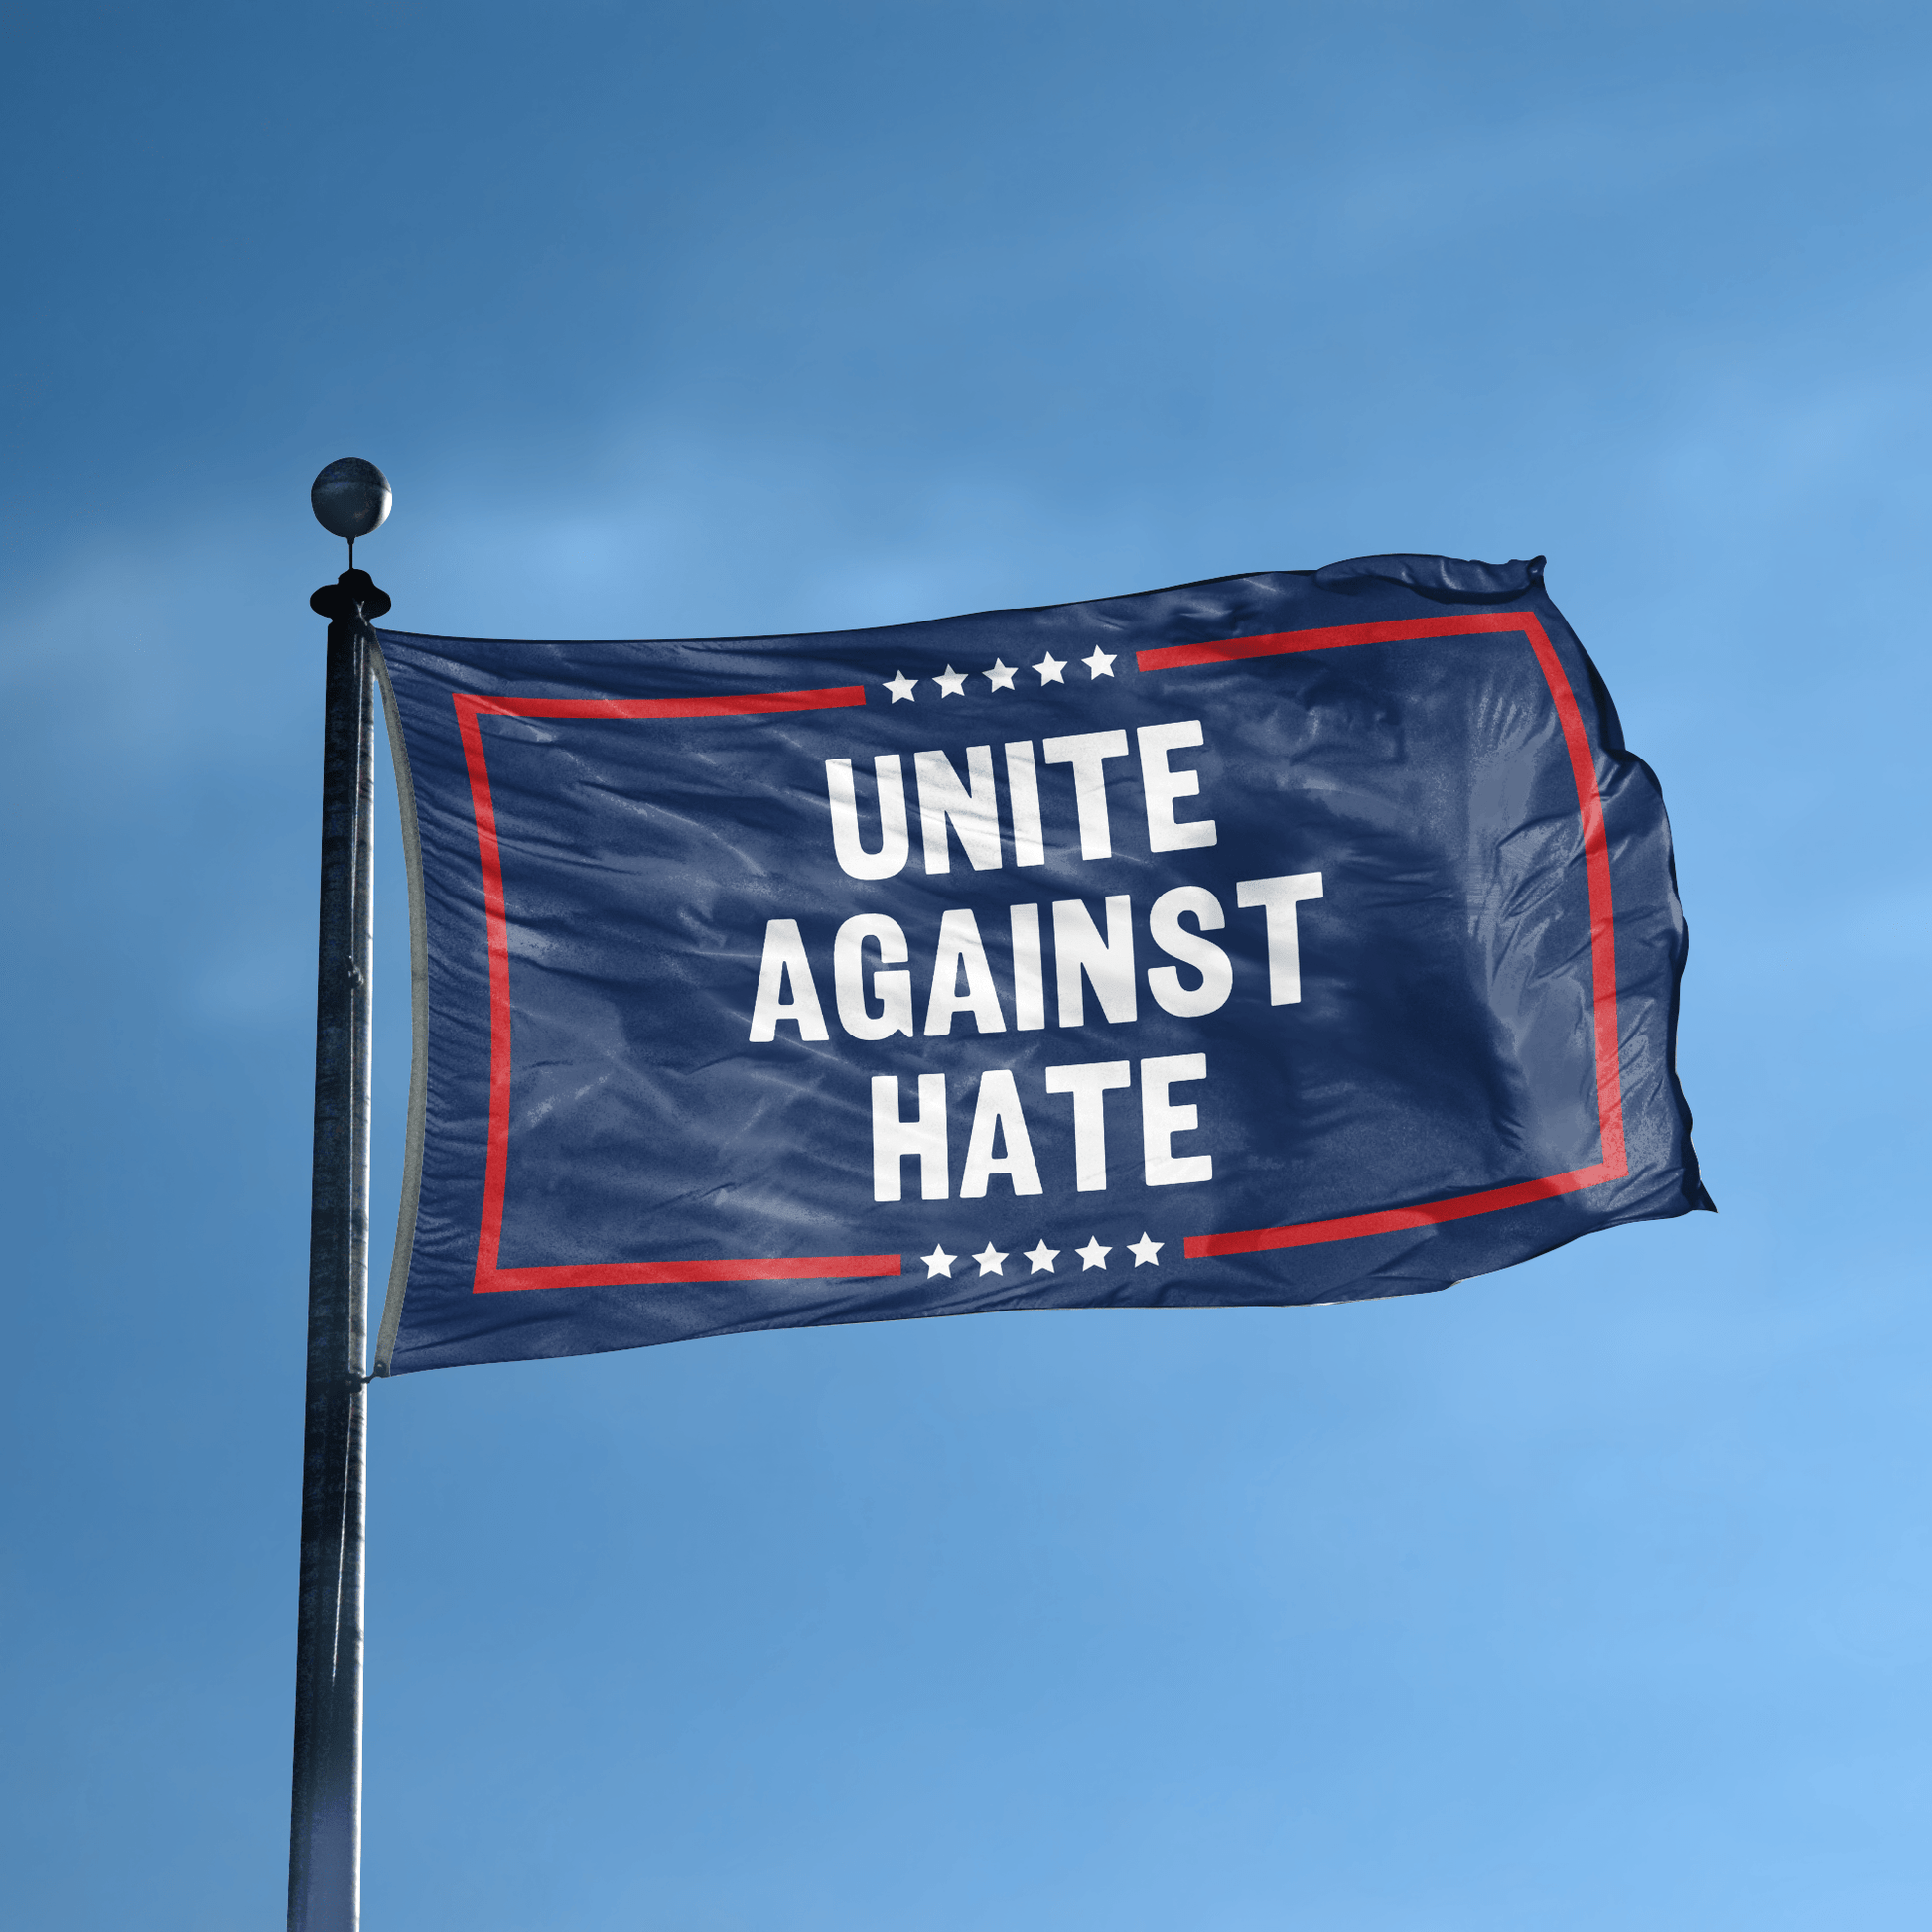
351, 498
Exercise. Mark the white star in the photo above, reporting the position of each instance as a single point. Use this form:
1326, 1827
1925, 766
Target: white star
901, 686
1101, 664
1145, 1249
1093, 1255
990, 1260
1001, 675
1049, 668
952, 684
1042, 1257
939, 1262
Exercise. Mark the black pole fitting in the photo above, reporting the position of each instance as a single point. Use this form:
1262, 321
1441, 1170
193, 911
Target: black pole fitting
353, 598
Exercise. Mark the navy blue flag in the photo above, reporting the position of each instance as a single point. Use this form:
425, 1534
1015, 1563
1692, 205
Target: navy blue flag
1297, 937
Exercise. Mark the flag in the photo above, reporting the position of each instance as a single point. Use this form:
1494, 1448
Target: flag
1297, 937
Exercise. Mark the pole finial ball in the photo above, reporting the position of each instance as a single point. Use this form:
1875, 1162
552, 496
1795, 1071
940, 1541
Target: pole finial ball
351, 498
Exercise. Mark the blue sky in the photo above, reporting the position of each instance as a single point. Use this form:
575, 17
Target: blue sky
1589, 1595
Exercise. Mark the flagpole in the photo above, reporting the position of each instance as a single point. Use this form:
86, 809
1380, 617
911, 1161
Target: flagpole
326, 1810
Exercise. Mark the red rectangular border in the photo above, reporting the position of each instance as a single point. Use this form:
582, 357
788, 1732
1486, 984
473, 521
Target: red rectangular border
491, 1278
1602, 930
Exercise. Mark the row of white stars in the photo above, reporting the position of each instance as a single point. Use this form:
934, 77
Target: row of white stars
952, 684
992, 1262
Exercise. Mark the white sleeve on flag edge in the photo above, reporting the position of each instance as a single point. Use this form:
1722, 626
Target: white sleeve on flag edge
412, 1160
